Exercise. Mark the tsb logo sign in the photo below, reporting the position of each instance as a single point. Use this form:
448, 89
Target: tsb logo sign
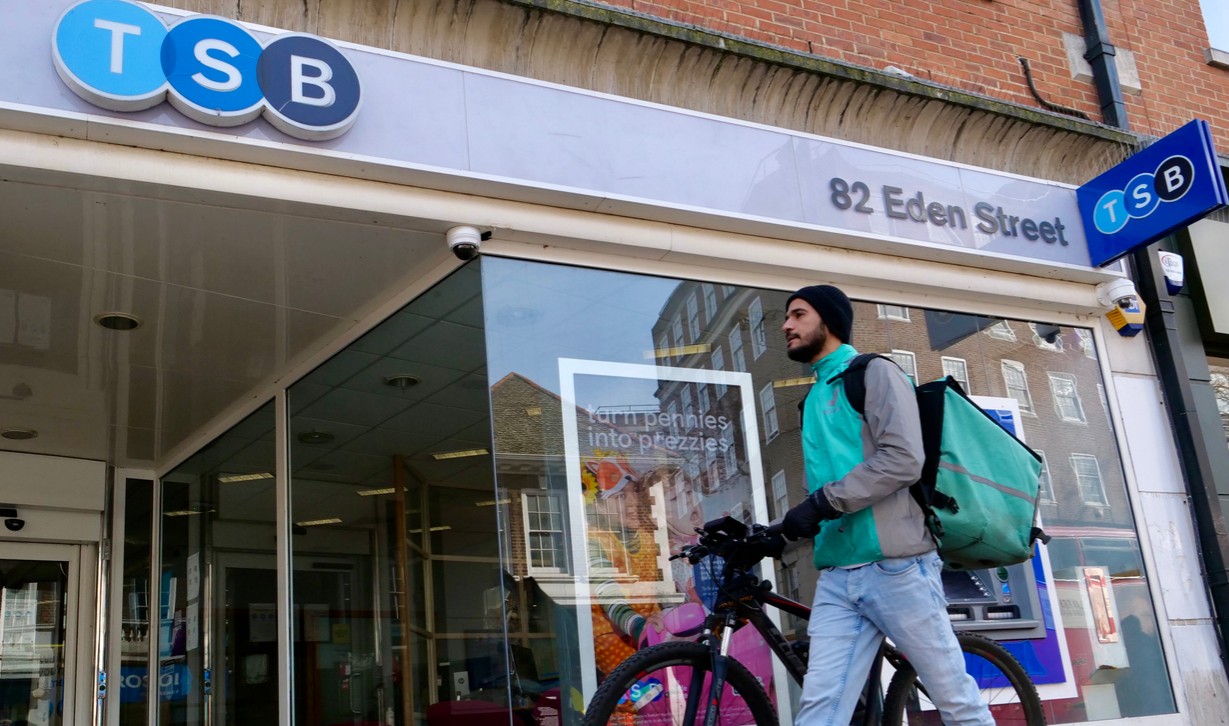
1143, 194
119, 56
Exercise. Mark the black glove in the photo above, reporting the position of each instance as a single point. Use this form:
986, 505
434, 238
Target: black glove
803, 520
773, 544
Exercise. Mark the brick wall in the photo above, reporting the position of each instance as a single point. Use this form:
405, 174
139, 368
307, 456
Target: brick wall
974, 45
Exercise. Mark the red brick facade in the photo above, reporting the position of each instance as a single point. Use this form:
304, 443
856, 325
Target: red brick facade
974, 46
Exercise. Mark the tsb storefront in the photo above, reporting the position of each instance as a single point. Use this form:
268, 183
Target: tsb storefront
356, 473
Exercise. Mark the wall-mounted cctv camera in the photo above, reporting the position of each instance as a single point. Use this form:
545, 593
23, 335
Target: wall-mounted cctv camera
10, 519
1118, 293
464, 242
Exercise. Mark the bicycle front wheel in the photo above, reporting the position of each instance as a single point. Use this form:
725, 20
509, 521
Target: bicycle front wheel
669, 685
1005, 687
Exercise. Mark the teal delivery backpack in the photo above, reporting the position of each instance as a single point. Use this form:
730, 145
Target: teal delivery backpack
979, 484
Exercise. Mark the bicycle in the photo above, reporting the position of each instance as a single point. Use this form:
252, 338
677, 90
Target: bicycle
698, 682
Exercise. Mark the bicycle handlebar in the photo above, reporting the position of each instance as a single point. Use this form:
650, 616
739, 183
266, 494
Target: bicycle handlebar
742, 546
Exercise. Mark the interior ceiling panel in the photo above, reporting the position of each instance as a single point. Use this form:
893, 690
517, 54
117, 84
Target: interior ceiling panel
227, 295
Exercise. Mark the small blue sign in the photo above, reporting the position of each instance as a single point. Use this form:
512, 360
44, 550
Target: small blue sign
1170, 184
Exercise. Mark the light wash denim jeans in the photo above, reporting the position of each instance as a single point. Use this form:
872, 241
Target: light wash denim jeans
854, 609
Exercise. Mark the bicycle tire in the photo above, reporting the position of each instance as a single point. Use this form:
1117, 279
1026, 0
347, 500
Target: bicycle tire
648, 689
1011, 694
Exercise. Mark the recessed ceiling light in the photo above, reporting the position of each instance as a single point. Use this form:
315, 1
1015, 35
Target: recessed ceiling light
375, 492
492, 502
117, 321
315, 522
459, 454
19, 434
315, 437
232, 478
187, 512
402, 380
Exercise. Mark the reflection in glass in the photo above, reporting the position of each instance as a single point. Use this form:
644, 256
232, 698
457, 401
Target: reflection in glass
32, 641
402, 607
217, 609
134, 603
624, 506
486, 488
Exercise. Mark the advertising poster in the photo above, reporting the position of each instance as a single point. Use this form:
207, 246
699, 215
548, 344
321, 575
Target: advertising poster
652, 452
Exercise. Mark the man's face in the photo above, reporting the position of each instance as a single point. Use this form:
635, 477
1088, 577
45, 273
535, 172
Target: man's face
805, 332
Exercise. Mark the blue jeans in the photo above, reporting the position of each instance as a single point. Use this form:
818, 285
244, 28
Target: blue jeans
854, 609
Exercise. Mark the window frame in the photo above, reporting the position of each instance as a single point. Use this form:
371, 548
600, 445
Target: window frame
560, 554
1088, 342
1045, 491
886, 313
768, 412
1055, 376
911, 358
964, 382
1040, 342
601, 510
779, 486
1001, 330
693, 317
755, 322
1026, 406
738, 359
1079, 481
710, 301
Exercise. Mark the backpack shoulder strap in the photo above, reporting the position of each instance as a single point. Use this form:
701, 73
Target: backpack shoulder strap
854, 377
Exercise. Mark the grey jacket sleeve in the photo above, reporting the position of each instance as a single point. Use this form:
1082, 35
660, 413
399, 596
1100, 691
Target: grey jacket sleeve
891, 441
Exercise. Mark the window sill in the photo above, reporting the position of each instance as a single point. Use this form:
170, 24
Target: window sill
1216, 58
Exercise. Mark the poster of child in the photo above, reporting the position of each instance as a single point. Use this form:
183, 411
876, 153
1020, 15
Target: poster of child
653, 468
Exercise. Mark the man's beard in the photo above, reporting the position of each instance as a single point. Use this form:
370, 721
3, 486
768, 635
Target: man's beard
807, 352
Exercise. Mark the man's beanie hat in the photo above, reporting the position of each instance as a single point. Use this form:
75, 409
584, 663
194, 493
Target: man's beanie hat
832, 306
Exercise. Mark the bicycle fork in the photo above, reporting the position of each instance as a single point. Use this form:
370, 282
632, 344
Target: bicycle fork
719, 651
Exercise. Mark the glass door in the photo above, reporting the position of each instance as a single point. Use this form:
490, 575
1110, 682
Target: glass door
37, 593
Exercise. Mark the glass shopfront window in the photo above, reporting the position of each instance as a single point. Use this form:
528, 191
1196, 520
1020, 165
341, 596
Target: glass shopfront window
1219, 379
594, 412
217, 603
134, 603
401, 605
486, 488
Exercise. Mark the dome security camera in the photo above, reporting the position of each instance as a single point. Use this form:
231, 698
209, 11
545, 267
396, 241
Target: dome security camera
1119, 293
464, 242
14, 525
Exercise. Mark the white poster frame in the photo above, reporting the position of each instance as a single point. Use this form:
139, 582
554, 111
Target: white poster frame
569, 368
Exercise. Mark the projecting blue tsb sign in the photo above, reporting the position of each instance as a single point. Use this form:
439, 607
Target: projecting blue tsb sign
1170, 184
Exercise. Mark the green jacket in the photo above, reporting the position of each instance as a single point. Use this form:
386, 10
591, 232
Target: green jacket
864, 464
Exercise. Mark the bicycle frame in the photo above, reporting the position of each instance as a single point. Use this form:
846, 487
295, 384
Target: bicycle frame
743, 598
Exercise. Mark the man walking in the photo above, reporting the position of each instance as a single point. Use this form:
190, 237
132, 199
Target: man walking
879, 565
